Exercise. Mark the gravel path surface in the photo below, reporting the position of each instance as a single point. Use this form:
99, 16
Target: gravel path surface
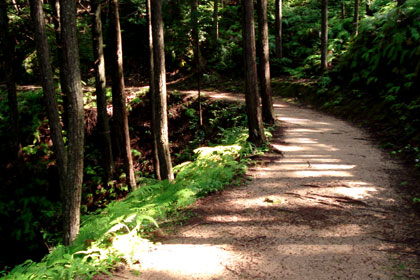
326, 209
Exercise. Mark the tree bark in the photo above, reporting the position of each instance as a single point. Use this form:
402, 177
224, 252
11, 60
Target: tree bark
55, 5
356, 17
75, 135
264, 57
253, 108
43, 54
123, 147
70, 182
279, 28
324, 35
216, 21
100, 84
343, 10
156, 166
8, 49
159, 100
196, 51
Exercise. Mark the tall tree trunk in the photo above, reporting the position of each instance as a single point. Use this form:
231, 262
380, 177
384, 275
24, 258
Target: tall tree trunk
279, 28
343, 10
123, 147
155, 153
159, 101
264, 57
100, 83
356, 17
55, 5
324, 35
255, 124
43, 54
8, 49
75, 135
196, 50
216, 21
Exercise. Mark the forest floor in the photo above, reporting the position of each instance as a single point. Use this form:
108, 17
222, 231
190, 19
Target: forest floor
330, 207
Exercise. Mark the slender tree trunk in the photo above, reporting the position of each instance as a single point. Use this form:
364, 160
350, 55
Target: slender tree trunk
55, 4
8, 49
75, 135
216, 21
196, 50
72, 160
264, 57
43, 54
159, 101
324, 35
253, 108
343, 10
100, 82
356, 17
123, 147
156, 166
279, 28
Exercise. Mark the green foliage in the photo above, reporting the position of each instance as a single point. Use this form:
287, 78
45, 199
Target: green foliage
374, 80
112, 235
382, 66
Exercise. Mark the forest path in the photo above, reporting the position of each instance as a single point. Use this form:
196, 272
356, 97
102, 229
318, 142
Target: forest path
323, 210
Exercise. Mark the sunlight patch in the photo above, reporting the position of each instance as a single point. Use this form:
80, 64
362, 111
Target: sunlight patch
316, 167
187, 261
320, 173
285, 148
357, 190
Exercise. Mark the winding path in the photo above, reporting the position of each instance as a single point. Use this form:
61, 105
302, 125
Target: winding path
326, 209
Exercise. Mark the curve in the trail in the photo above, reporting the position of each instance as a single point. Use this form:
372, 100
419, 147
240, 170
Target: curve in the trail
318, 212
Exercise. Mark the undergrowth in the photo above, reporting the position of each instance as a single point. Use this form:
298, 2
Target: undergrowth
113, 235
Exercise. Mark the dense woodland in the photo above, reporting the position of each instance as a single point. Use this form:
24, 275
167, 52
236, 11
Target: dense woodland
99, 143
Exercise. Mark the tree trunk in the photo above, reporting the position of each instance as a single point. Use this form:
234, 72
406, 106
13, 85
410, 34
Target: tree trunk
324, 35
8, 49
75, 135
55, 5
216, 21
279, 28
255, 124
196, 51
123, 147
343, 10
100, 82
356, 17
160, 128
264, 57
43, 54
156, 166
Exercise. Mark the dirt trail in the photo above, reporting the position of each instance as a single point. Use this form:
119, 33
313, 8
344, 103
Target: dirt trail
323, 211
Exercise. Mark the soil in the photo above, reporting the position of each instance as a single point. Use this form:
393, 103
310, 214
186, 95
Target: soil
331, 206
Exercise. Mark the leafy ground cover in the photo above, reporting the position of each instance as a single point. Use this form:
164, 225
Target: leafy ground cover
113, 235
30, 200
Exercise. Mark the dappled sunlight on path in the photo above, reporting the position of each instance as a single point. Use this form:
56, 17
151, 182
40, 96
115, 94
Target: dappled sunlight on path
317, 212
